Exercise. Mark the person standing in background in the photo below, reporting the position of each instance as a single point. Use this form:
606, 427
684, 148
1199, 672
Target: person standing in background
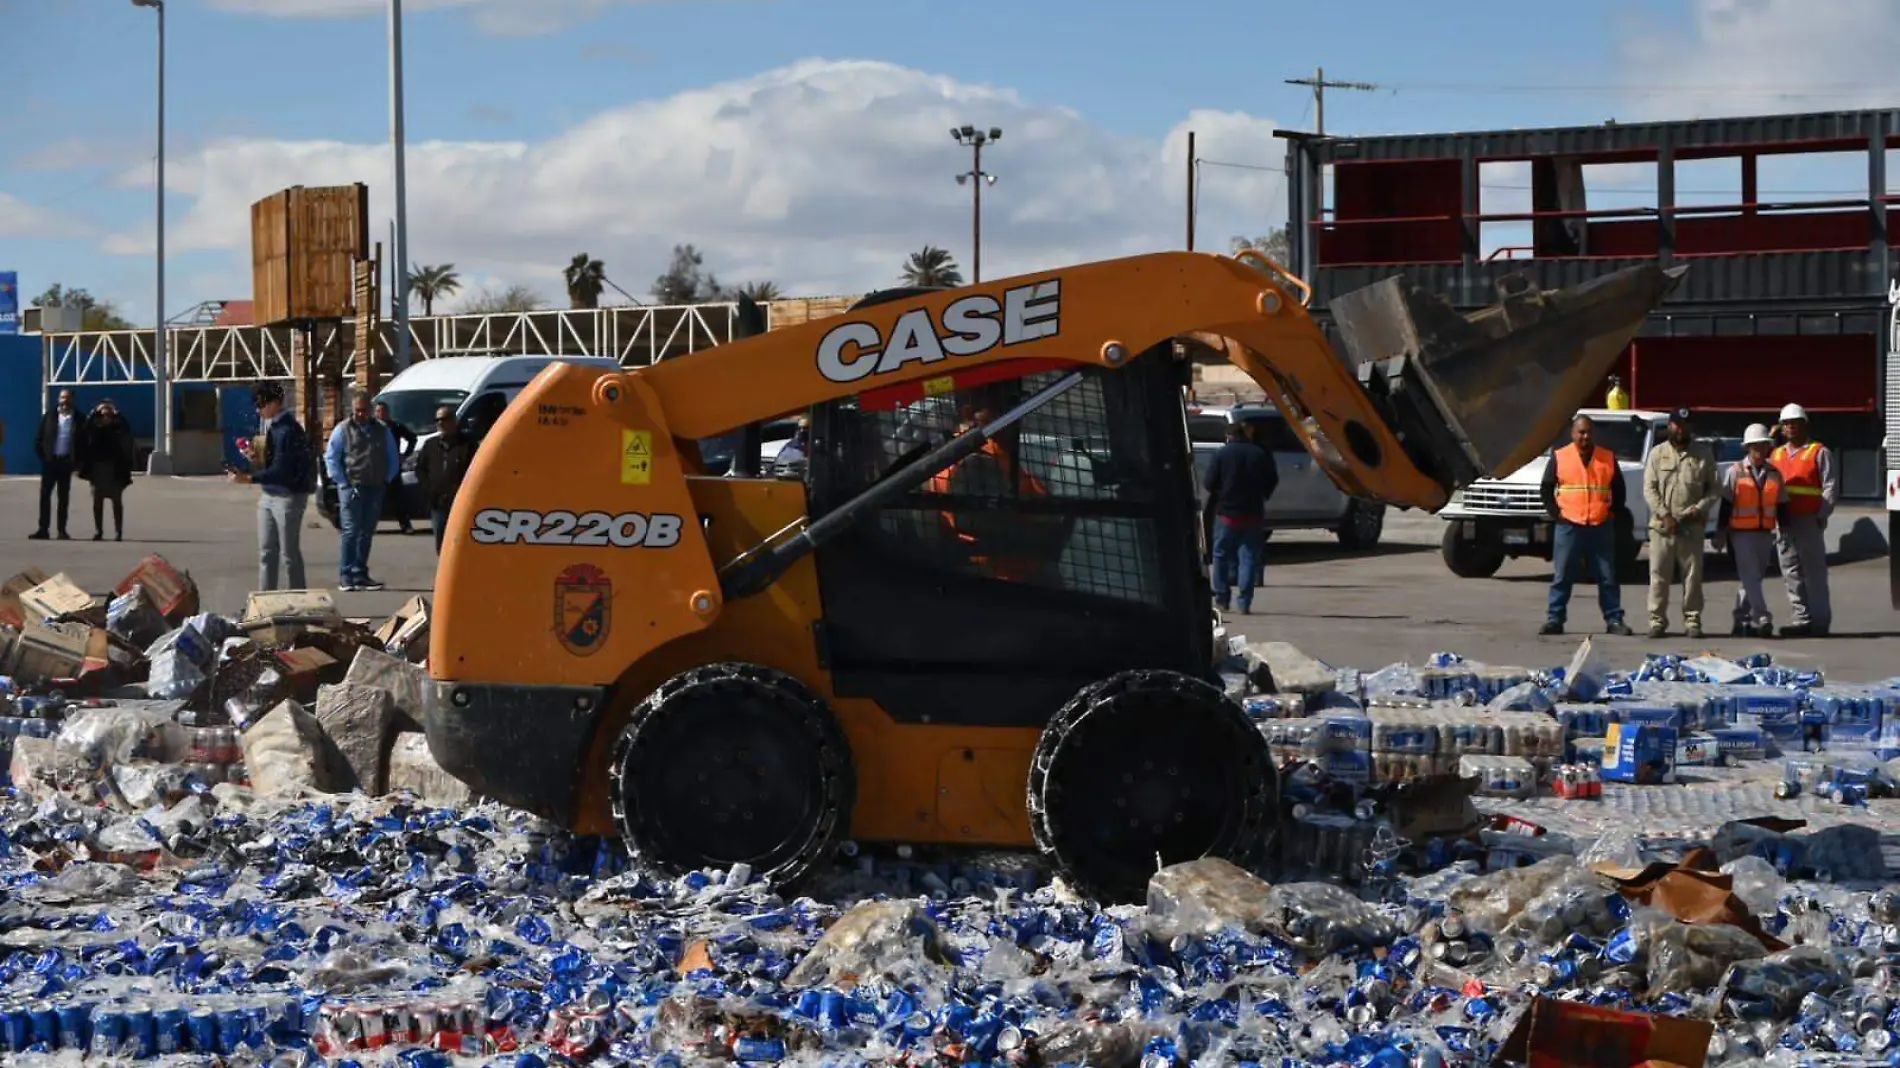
1240, 481
1682, 490
57, 446
287, 477
107, 453
406, 442
1813, 486
362, 462
1583, 490
442, 467
1752, 494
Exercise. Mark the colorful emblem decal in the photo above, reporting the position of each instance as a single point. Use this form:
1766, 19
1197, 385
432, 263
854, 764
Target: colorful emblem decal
583, 608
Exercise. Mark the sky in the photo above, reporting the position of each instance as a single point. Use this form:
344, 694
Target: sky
806, 142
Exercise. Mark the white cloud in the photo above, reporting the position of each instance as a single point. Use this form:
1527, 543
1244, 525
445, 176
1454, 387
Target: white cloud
21, 219
821, 176
508, 18
1745, 57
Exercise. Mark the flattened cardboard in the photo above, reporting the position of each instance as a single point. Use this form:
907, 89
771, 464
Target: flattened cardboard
1569, 1034
10, 592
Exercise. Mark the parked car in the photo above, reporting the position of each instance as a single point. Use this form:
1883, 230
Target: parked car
1495, 519
1307, 499
479, 388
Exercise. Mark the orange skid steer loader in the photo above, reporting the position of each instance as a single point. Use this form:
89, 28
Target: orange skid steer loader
979, 615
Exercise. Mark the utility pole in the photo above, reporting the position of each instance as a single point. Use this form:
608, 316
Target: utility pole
976, 139
160, 462
1320, 85
400, 250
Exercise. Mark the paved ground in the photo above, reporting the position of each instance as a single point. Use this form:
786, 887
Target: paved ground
1401, 603
1366, 610
208, 527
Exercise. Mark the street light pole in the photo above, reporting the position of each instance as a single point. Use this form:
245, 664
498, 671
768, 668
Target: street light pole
976, 139
401, 240
161, 461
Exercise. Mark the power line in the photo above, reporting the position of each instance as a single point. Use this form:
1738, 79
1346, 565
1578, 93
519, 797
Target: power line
1319, 85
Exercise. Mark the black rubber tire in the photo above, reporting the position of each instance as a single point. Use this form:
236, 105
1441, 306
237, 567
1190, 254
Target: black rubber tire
1474, 558
687, 794
1131, 748
1362, 525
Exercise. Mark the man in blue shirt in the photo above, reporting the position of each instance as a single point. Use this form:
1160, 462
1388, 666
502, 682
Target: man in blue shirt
286, 476
362, 460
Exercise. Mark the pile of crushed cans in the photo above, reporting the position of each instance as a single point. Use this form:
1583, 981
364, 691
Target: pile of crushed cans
1422, 906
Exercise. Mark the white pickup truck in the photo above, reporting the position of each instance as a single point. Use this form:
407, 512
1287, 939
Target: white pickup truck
1495, 519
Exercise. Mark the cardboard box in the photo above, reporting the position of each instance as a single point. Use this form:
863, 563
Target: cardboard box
10, 592
60, 596
49, 651
277, 617
1640, 753
300, 668
406, 634
175, 594
1568, 1034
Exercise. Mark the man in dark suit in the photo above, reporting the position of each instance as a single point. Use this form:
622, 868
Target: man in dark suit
57, 446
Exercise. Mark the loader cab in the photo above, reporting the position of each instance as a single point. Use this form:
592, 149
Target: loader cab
1078, 525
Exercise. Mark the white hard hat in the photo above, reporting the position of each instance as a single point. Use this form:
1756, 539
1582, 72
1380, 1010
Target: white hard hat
1757, 434
1793, 411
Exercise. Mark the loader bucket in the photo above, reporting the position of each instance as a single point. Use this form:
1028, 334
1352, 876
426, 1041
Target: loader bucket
1481, 394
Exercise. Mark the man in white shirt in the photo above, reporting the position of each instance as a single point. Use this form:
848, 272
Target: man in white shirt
57, 446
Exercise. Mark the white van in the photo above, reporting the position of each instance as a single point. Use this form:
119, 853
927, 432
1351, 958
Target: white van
477, 387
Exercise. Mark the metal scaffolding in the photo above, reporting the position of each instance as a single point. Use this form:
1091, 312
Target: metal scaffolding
635, 336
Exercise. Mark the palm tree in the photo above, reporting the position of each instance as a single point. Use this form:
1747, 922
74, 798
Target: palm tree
585, 279
428, 283
933, 268
759, 291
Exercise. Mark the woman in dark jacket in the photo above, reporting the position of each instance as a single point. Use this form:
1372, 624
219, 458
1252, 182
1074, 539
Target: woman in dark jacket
106, 454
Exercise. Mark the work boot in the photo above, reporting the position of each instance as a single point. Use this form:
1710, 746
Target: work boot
1796, 630
1657, 630
1742, 629
38, 535
1620, 629
1551, 626
1693, 630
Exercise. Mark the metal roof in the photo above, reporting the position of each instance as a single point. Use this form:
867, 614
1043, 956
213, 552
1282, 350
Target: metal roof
1608, 137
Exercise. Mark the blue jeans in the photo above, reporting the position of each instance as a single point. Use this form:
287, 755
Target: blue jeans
1245, 546
1572, 544
359, 507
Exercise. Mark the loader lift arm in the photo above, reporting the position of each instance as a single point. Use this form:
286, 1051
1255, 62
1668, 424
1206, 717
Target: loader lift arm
1431, 399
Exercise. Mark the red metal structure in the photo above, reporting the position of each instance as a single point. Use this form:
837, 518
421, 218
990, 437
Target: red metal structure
1788, 298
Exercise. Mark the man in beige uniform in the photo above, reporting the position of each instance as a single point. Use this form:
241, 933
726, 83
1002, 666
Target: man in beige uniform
1682, 490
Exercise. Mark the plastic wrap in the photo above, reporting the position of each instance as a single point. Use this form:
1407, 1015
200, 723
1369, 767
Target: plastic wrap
1320, 918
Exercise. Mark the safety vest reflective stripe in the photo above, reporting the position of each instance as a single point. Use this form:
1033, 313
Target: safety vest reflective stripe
1801, 472
1584, 491
1755, 503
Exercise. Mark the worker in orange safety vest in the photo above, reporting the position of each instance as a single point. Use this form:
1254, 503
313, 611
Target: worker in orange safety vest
1583, 490
990, 537
1813, 486
1753, 494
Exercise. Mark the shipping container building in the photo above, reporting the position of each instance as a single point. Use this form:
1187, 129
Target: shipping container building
1782, 220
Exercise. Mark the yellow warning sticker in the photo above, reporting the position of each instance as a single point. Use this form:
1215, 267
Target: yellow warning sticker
636, 457
937, 387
